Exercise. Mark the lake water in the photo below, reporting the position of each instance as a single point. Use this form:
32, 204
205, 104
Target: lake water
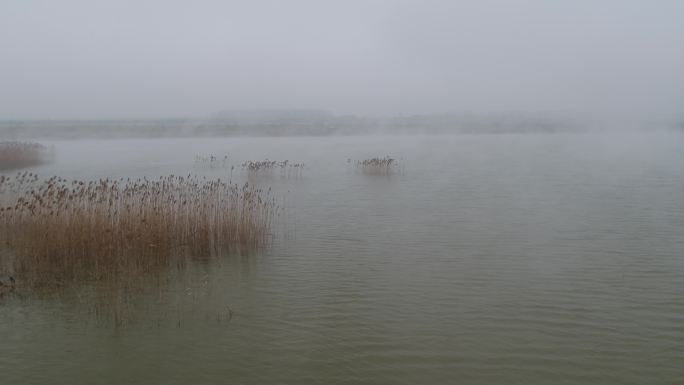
488, 259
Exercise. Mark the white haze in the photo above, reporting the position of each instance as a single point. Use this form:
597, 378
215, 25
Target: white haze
160, 58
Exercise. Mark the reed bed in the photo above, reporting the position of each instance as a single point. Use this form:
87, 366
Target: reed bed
59, 231
14, 155
378, 166
268, 167
212, 160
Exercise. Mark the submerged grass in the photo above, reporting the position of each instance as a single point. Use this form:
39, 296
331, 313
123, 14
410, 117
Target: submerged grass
14, 155
59, 232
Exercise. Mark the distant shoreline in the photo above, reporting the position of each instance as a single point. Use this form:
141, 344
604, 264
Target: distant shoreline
293, 125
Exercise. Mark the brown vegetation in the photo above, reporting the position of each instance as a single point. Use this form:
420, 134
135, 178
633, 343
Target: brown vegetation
14, 155
60, 231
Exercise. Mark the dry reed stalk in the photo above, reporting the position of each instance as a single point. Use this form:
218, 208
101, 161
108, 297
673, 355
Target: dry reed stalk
61, 231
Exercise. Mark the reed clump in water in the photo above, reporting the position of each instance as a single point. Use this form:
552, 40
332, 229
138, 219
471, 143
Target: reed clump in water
15, 155
60, 231
267, 167
211, 160
378, 166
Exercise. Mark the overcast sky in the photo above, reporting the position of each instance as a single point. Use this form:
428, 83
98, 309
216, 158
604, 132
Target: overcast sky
164, 58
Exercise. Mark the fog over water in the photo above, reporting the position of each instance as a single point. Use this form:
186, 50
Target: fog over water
342, 192
608, 59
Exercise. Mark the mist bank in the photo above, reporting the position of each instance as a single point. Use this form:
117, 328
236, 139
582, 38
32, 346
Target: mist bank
315, 123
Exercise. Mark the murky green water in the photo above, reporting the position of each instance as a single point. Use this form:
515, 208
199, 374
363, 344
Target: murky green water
492, 259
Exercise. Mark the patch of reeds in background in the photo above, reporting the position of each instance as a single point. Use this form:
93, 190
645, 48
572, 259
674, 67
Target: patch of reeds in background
58, 232
269, 167
211, 160
378, 166
15, 155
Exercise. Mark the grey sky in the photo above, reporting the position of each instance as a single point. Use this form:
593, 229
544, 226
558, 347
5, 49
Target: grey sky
155, 58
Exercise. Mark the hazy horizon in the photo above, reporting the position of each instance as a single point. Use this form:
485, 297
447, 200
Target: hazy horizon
167, 59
